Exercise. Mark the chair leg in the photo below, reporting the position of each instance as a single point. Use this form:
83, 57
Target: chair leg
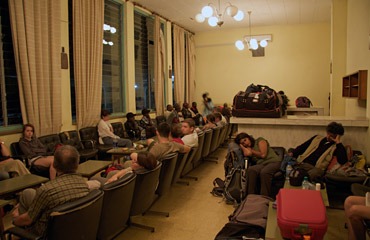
190, 177
152, 229
166, 214
183, 182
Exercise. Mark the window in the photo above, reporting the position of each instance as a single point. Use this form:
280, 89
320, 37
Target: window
10, 110
112, 77
112, 97
144, 61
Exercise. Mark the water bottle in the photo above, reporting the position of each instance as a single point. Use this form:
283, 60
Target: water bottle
288, 169
305, 183
115, 143
143, 135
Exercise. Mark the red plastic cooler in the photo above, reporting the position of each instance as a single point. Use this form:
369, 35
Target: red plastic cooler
301, 212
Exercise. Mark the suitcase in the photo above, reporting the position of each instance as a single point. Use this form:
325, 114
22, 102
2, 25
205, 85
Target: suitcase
260, 104
301, 212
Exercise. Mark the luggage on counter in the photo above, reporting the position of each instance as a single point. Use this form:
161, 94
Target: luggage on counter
301, 212
257, 101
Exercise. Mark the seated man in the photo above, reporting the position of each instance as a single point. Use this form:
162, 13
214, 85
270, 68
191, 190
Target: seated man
190, 137
218, 119
35, 205
356, 211
168, 111
174, 116
106, 134
315, 154
132, 127
8, 165
186, 113
164, 145
265, 159
218, 110
146, 122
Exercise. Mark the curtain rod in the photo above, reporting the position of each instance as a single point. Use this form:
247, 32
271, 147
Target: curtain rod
154, 13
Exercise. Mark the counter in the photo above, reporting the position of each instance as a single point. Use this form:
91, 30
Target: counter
292, 130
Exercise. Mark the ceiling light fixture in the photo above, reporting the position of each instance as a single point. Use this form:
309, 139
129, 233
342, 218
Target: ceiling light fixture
215, 15
252, 41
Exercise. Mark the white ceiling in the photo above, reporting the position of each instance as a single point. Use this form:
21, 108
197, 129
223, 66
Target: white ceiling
264, 12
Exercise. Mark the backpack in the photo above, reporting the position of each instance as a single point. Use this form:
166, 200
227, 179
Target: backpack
233, 187
303, 102
296, 176
230, 162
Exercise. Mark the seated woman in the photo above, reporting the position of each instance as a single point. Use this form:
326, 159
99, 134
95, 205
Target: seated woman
211, 122
176, 133
106, 134
265, 159
35, 151
356, 211
141, 160
10, 166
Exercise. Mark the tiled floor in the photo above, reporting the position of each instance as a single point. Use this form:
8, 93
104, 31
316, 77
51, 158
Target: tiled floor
196, 214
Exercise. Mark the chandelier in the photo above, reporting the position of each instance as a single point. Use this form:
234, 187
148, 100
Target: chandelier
215, 15
252, 41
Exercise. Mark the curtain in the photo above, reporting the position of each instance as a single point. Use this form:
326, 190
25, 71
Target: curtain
159, 66
88, 20
36, 33
179, 63
190, 76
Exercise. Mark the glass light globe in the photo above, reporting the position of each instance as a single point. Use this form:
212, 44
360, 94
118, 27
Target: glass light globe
254, 46
110, 43
113, 30
239, 16
253, 42
231, 10
199, 18
263, 43
239, 45
105, 42
207, 11
212, 21
106, 27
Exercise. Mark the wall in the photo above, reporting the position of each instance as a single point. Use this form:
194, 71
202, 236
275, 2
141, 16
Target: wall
358, 55
296, 61
338, 56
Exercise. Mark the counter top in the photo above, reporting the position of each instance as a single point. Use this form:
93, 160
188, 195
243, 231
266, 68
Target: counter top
304, 120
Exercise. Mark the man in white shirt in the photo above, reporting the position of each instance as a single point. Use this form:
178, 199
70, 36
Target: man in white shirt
106, 134
190, 137
217, 110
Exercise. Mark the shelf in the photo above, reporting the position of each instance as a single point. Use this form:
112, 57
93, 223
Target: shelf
355, 85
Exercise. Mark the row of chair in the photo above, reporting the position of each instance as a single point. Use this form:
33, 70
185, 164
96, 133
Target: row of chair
110, 212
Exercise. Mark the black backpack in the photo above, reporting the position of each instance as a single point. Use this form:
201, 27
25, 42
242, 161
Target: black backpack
233, 187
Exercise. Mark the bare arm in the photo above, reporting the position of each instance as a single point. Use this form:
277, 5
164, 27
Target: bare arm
4, 150
186, 148
116, 176
21, 220
263, 150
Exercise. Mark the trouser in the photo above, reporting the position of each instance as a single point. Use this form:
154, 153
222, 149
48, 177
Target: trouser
26, 199
121, 142
4, 175
14, 166
359, 189
315, 174
265, 174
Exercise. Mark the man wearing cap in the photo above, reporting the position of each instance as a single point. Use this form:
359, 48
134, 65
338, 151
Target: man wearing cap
132, 127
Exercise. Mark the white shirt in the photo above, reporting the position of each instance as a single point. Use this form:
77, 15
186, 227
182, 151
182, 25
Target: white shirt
191, 140
223, 119
104, 130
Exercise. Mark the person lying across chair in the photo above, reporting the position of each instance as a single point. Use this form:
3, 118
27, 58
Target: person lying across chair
316, 153
10, 165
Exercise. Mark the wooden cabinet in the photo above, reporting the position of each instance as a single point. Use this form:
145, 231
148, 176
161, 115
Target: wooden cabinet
355, 85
